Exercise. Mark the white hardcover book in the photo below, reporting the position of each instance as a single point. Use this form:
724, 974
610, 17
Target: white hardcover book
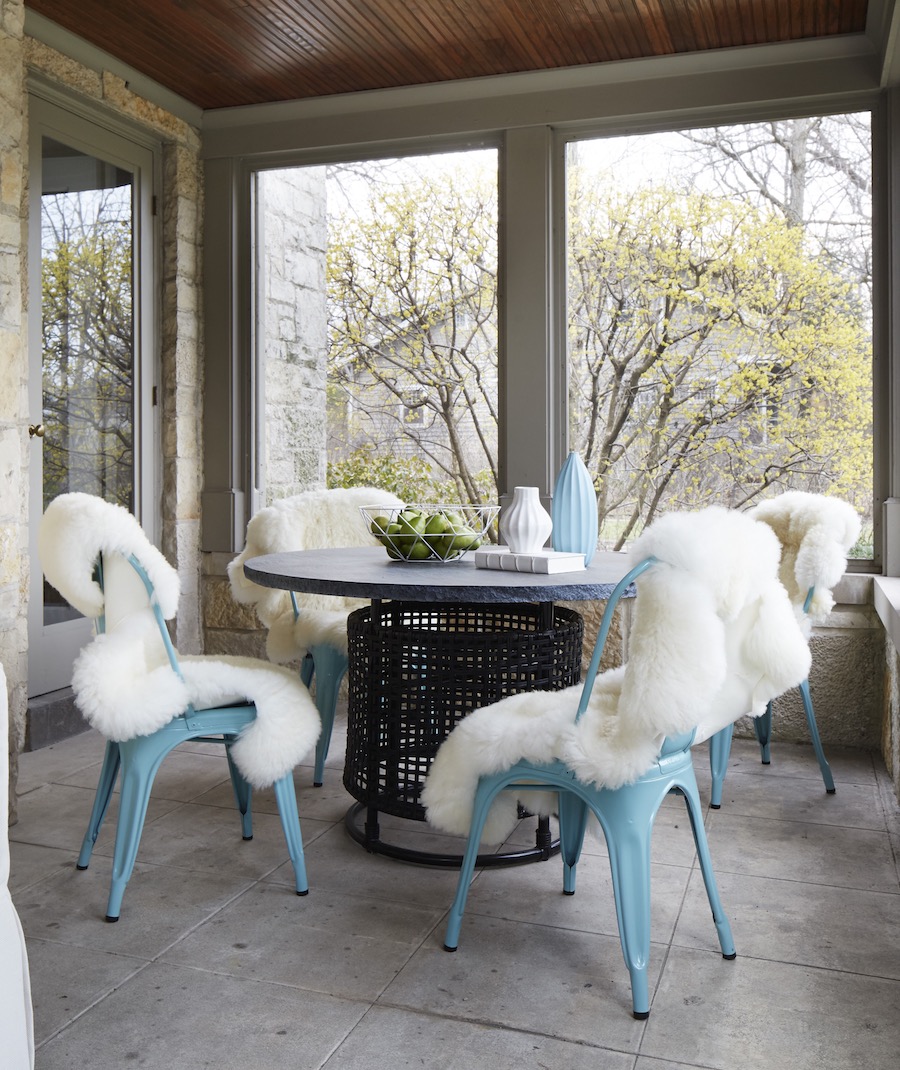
503, 559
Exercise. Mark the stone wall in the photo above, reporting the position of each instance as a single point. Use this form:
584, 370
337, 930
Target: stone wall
14, 564
890, 737
179, 378
293, 342
293, 329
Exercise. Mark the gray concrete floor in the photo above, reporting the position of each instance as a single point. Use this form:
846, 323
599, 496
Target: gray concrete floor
216, 963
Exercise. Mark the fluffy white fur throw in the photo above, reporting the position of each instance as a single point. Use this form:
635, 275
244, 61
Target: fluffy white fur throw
714, 637
123, 682
816, 534
313, 520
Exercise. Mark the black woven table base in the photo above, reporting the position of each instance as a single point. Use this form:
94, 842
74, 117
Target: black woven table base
416, 669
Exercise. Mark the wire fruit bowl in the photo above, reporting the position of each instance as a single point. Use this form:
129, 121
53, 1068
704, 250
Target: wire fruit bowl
429, 532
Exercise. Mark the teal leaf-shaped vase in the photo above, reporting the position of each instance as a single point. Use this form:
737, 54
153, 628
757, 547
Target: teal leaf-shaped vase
574, 509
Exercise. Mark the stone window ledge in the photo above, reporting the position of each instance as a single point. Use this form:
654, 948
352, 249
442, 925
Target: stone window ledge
887, 605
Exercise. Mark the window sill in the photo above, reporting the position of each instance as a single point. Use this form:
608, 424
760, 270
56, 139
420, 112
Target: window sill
887, 605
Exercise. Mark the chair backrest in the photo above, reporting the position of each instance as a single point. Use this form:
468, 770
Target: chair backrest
76, 530
603, 631
313, 520
713, 632
816, 533
130, 601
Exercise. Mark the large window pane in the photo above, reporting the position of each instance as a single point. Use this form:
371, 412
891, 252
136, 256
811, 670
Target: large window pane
719, 295
393, 365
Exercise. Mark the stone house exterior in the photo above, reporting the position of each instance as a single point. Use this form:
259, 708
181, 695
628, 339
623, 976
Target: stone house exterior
856, 677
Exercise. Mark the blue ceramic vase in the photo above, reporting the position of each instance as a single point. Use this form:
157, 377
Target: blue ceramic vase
574, 509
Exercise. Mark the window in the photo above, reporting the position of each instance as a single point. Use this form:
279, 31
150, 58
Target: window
378, 325
720, 316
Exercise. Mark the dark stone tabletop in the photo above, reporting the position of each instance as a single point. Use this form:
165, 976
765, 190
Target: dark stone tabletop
367, 572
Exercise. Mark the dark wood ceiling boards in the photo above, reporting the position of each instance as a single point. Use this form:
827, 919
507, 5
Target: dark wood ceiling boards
222, 53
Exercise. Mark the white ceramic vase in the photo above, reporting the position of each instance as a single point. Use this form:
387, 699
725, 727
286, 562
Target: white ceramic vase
525, 524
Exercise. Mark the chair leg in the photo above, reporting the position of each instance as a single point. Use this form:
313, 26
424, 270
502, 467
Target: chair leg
330, 667
307, 668
141, 757
816, 739
105, 784
290, 822
719, 752
763, 727
573, 815
488, 787
243, 796
628, 842
723, 926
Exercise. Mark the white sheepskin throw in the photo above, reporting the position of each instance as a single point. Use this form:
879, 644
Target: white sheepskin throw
714, 637
76, 529
314, 520
816, 534
123, 681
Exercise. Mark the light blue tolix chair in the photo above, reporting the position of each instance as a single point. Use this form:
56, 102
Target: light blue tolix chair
132, 686
616, 747
816, 533
626, 815
311, 629
720, 742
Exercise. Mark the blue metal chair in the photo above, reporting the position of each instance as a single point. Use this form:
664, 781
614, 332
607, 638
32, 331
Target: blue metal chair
138, 760
328, 665
626, 815
720, 742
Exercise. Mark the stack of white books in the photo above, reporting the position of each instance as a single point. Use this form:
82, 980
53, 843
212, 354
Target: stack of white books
547, 561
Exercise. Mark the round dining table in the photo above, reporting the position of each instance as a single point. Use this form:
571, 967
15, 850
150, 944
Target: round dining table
438, 640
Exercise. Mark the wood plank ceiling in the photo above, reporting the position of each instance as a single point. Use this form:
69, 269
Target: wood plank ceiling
222, 53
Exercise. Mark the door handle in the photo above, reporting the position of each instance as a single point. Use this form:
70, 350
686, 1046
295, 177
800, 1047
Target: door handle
35, 430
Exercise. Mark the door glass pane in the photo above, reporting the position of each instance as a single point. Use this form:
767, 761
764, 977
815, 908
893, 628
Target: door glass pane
87, 326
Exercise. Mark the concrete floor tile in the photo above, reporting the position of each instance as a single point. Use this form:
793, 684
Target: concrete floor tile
401, 1040
66, 980
338, 865
570, 985
793, 799
59, 760
799, 850
848, 765
533, 894
327, 803
195, 837
57, 815
807, 924
661, 1064
340, 945
182, 777
159, 907
32, 863
203, 1020
354, 973
751, 1014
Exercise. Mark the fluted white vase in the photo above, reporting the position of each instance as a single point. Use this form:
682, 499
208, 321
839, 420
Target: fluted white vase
525, 525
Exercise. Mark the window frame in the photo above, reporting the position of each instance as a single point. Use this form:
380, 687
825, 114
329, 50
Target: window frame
531, 130
885, 419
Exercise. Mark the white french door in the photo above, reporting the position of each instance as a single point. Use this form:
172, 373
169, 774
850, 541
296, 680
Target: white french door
91, 345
